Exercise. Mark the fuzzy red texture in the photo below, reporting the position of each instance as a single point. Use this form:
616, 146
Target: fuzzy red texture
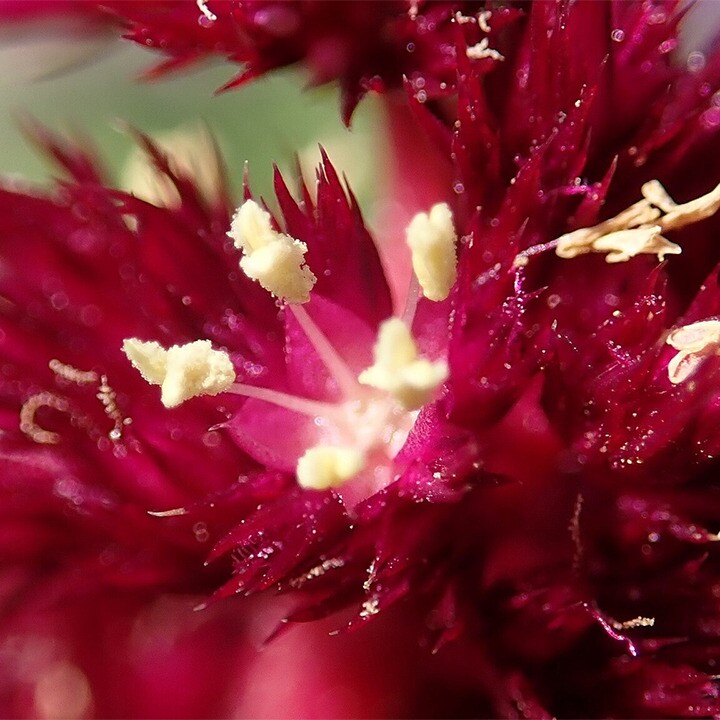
560, 485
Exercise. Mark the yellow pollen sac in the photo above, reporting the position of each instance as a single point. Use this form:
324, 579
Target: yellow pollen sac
182, 371
275, 260
326, 466
398, 370
432, 239
694, 343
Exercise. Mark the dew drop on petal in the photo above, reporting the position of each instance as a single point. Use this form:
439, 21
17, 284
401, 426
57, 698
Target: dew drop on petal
617, 35
211, 439
711, 118
200, 531
59, 301
695, 61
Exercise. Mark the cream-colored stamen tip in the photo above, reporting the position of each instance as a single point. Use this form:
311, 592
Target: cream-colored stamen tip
326, 466
182, 371
431, 237
694, 343
275, 260
398, 370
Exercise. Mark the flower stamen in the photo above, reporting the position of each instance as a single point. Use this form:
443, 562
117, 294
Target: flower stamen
29, 426
678, 216
325, 466
482, 50
275, 260
107, 396
330, 357
431, 238
203, 8
399, 371
68, 372
303, 406
694, 343
637, 230
182, 371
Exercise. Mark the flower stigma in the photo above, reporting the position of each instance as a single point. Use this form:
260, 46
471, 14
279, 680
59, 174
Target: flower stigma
182, 371
275, 260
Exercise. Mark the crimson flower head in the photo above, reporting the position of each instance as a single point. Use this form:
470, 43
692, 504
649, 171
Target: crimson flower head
481, 454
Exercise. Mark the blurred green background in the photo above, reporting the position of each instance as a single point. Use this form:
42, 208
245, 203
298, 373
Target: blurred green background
85, 86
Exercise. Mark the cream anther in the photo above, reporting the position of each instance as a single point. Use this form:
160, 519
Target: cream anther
275, 260
398, 370
638, 229
325, 466
182, 371
694, 343
656, 195
431, 237
679, 216
622, 245
482, 50
612, 236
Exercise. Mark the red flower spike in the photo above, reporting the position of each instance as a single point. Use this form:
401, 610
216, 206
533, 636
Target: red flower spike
546, 518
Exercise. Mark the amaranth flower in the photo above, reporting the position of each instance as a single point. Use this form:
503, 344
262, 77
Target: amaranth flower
550, 513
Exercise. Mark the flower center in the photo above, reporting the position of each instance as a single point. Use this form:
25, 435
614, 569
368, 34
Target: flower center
360, 435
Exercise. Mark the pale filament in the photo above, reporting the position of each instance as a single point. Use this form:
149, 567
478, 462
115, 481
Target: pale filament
411, 302
303, 406
338, 368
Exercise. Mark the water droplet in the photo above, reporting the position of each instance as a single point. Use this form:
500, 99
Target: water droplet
612, 300
90, 315
211, 439
186, 300
668, 46
617, 35
695, 61
711, 118
200, 531
553, 301
59, 300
